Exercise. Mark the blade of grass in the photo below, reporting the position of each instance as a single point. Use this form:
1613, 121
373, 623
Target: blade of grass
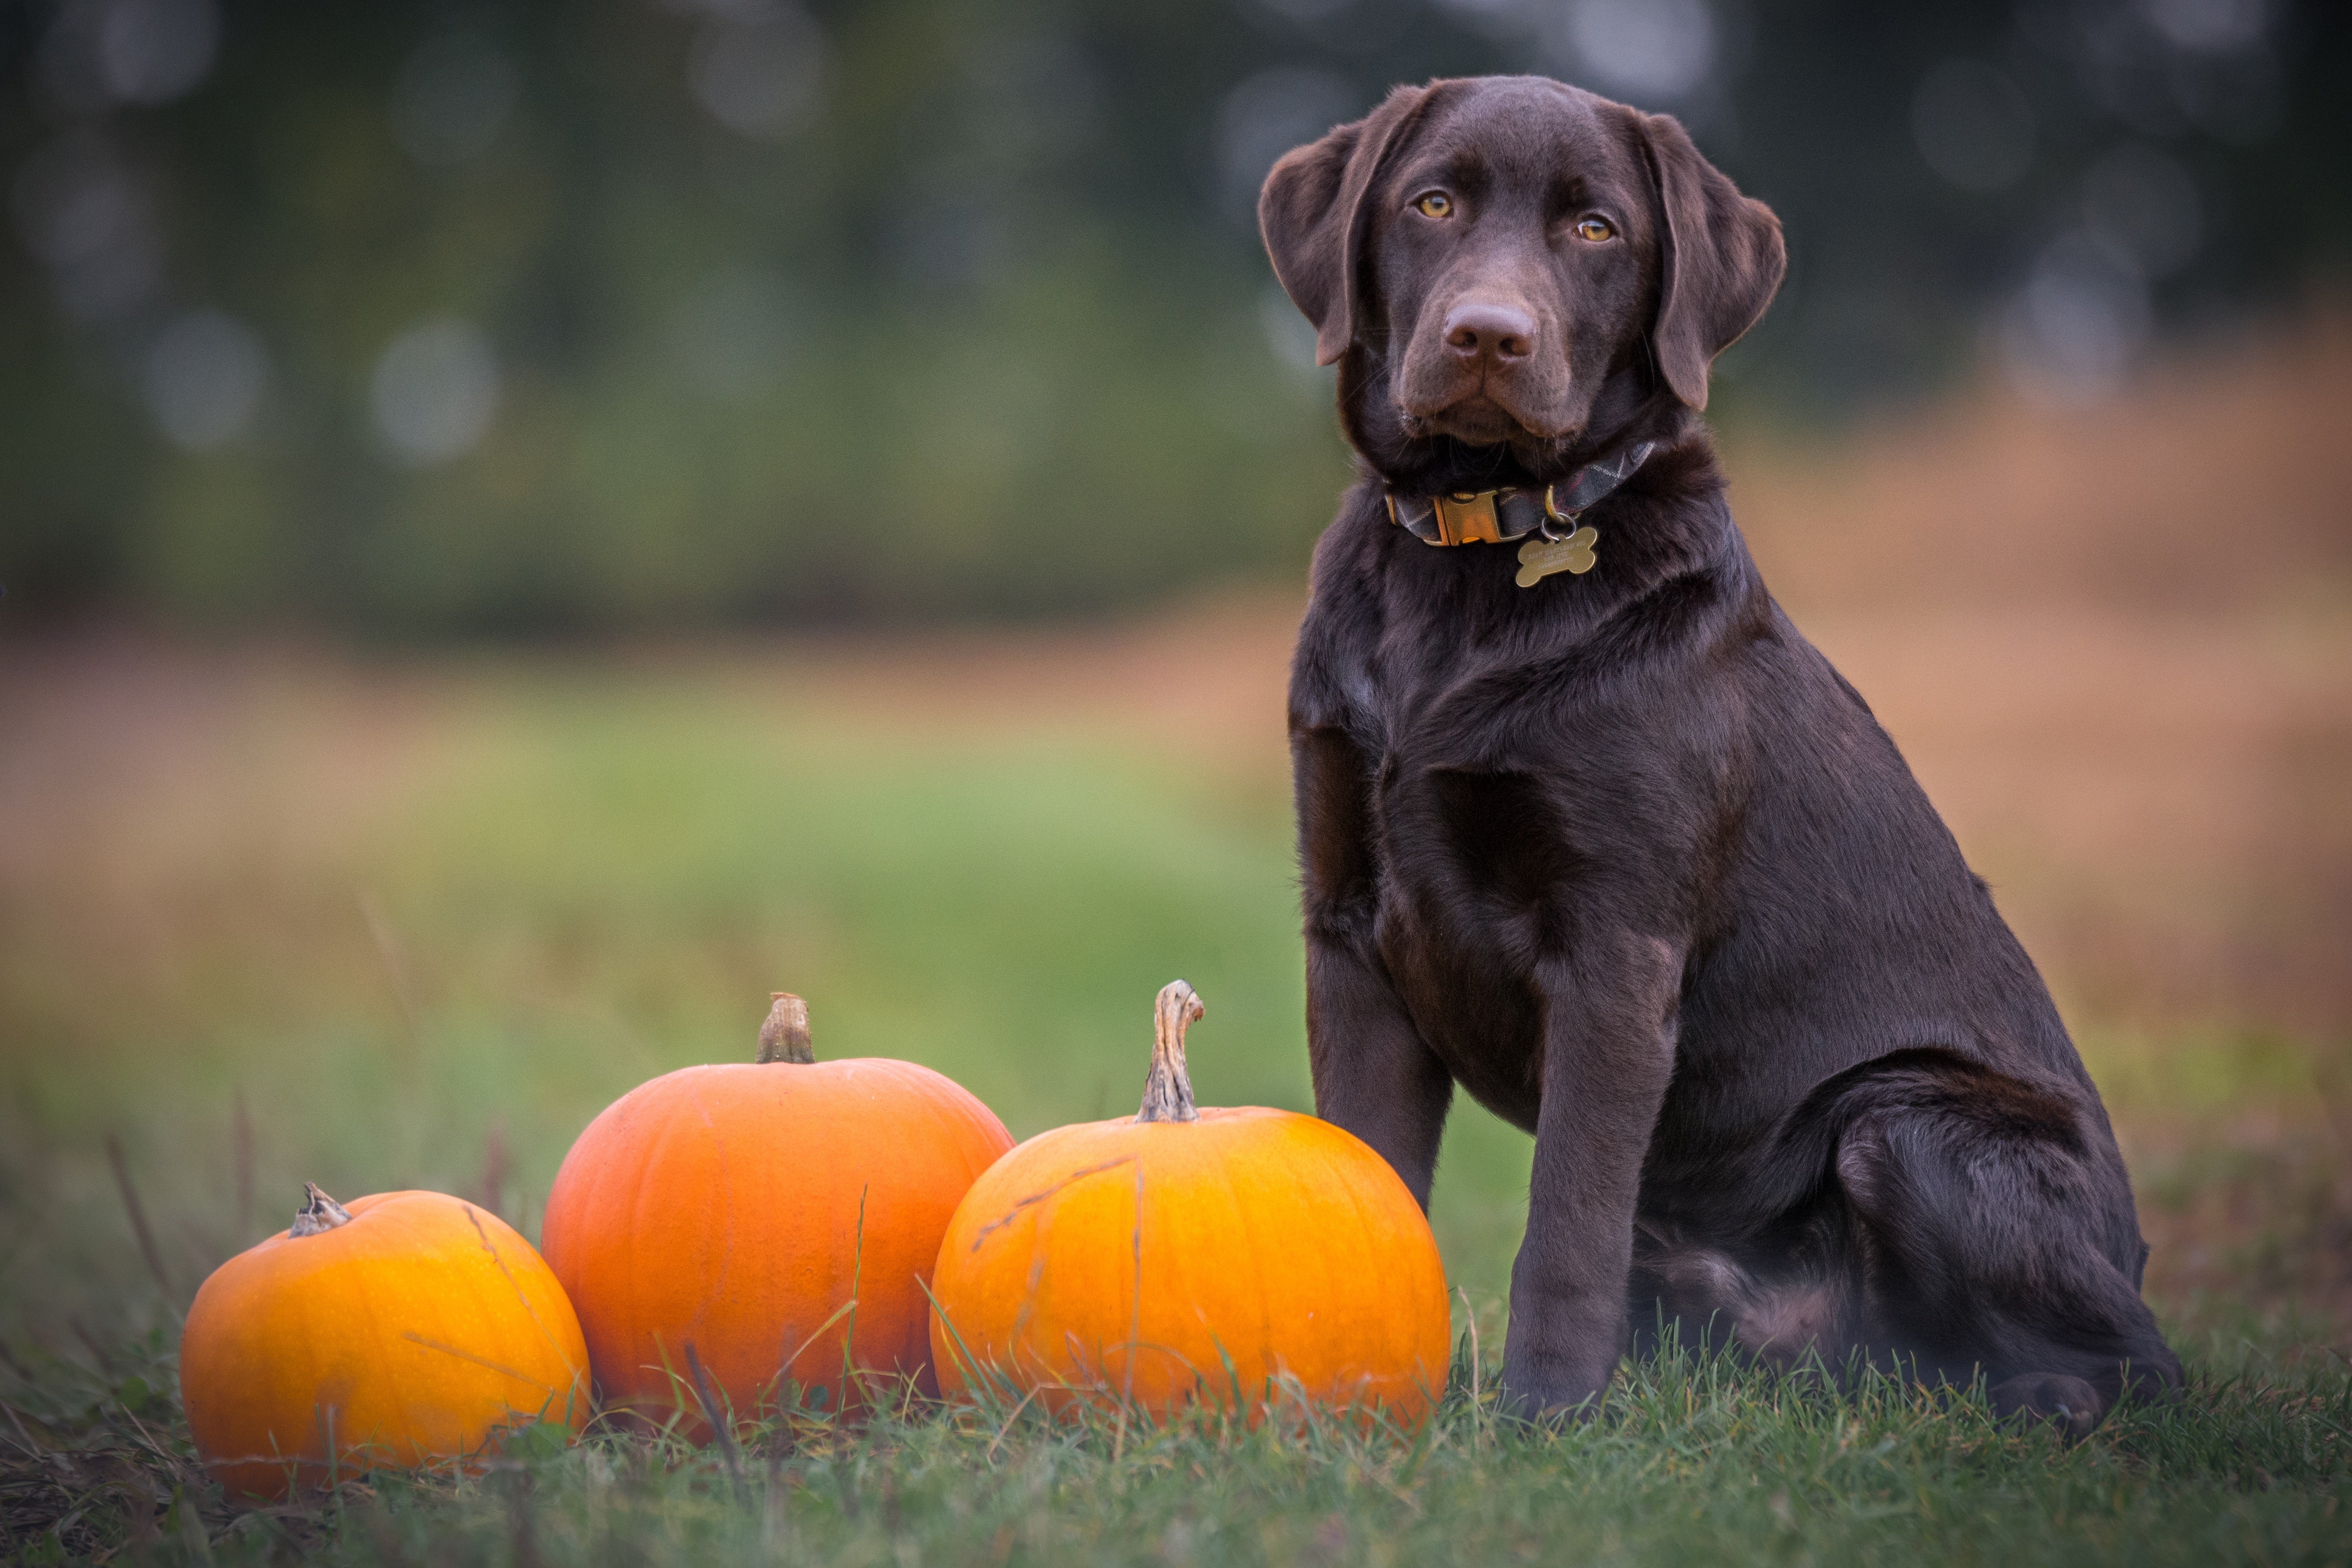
138, 1213
719, 1428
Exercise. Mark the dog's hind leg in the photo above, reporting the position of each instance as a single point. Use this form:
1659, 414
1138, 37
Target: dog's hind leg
1994, 1233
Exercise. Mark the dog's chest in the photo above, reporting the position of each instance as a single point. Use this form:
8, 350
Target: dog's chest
1461, 962
1472, 861
1497, 772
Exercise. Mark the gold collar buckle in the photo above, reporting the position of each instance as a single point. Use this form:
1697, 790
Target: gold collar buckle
1466, 519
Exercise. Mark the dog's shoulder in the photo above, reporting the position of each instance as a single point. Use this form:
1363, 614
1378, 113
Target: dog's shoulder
1331, 670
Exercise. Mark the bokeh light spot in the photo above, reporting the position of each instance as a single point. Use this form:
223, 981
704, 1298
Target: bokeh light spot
204, 378
153, 51
2081, 319
758, 71
101, 53
434, 392
2214, 25
1657, 50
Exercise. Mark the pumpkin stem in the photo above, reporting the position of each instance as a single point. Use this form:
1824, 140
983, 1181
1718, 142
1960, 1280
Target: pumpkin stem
319, 1213
785, 1036
1167, 1092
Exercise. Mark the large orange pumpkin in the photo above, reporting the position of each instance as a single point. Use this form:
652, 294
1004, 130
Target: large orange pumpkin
407, 1328
1228, 1255
780, 1218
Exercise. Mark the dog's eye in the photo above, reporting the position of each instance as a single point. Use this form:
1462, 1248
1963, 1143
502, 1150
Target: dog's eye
1595, 229
1436, 204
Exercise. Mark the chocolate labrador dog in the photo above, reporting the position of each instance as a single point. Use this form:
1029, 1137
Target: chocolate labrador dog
1587, 827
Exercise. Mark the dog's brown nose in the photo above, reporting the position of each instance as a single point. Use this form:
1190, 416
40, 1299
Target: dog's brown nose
1481, 329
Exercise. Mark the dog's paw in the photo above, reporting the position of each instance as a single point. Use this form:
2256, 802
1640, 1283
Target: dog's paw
2070, 1405
1535, 1403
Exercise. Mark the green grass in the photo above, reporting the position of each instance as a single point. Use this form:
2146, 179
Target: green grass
427, 960
1693, 1460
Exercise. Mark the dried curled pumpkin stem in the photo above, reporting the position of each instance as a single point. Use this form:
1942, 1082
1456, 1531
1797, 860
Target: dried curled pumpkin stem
318, 1212
1167, 1091
785, 1036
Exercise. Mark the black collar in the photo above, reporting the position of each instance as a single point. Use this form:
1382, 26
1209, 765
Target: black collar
1498, 516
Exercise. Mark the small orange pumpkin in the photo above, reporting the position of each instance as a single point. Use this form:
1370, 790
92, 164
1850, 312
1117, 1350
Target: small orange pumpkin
1228, 1255
407, 1328
778, 1218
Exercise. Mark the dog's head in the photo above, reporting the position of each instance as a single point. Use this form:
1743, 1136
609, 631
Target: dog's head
1510, 270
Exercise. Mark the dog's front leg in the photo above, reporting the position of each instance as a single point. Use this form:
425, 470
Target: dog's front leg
1375, 1074
1608, 1014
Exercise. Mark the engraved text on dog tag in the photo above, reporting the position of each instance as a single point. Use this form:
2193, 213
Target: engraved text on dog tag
1539, 558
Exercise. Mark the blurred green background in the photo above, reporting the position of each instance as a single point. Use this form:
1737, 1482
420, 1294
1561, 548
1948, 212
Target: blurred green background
412, 320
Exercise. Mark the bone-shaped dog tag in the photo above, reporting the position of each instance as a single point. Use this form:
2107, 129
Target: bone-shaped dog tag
1539, 558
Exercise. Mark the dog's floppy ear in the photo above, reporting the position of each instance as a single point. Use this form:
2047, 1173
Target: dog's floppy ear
1721, 258
1310, 214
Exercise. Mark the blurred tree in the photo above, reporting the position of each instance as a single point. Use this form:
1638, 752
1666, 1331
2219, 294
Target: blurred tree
425, 319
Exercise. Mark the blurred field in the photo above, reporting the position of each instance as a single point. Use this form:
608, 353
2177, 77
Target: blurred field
271, 911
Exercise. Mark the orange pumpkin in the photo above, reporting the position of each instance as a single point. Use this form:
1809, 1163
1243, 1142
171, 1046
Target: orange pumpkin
407, 1328
780, 1218
1228, 1255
